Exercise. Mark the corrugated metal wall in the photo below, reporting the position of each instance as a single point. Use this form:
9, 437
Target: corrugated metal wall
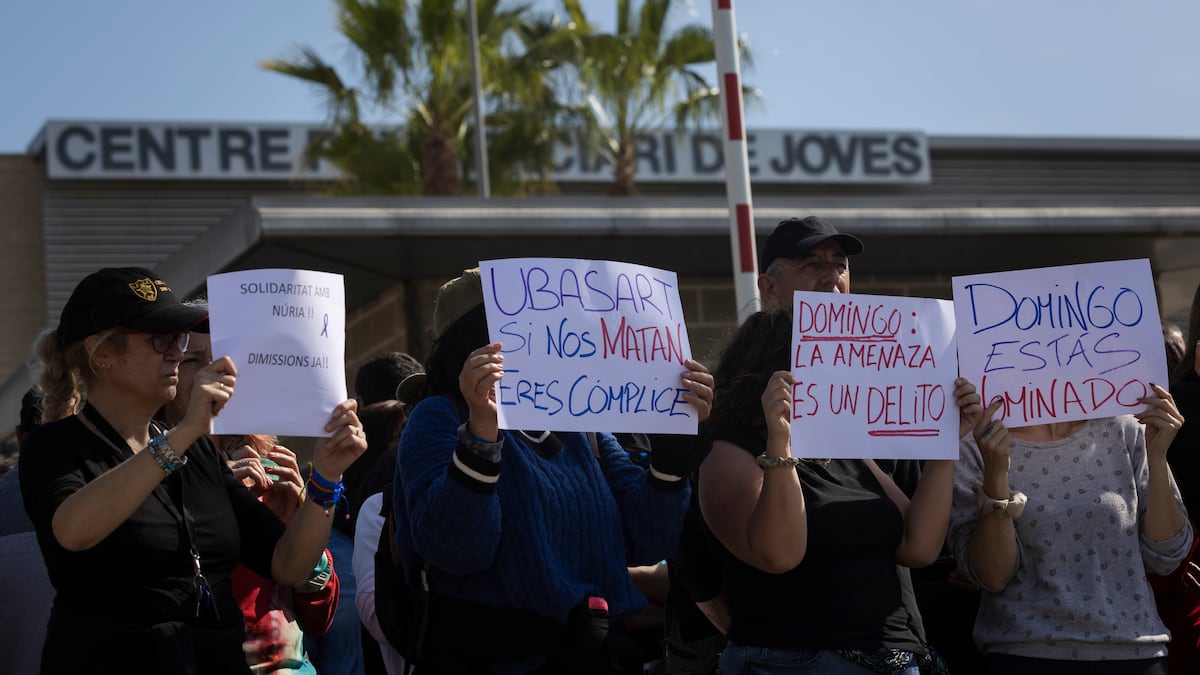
89, 225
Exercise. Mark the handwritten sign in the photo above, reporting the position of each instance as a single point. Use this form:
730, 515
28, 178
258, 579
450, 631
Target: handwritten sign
874, 377
286, 333
1061, 343
588, 345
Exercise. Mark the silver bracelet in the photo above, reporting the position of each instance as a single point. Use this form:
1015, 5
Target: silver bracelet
166, 457
1012, 507
772, 462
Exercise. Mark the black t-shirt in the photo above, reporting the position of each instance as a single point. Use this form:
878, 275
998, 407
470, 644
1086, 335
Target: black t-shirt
1184, 454
141, 574
847, 593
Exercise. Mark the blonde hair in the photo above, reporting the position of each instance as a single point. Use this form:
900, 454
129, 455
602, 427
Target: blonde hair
63, 371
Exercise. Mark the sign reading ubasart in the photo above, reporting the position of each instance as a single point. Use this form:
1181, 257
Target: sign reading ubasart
588, 345
237, 151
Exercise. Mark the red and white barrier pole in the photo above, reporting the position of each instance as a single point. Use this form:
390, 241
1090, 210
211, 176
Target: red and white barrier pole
737, 169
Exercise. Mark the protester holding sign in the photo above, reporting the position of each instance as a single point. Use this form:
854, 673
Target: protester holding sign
1065, 355
141, 525
811, 547
1059, 524
277, 618
524, 536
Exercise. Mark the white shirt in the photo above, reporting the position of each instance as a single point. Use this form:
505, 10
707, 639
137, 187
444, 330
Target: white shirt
366, 540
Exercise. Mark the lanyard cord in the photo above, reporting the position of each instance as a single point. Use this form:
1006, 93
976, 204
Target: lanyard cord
178, 511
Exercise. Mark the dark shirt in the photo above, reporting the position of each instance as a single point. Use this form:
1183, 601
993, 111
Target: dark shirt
847, 593
141, 574
1184, 454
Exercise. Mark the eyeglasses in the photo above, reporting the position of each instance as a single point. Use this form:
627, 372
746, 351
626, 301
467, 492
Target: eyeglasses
163, 343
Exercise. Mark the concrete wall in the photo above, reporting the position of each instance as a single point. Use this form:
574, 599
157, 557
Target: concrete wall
22, 258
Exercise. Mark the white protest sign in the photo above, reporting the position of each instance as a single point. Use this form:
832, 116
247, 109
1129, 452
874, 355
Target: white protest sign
588, 345
286, 333
1061, 343
874, 377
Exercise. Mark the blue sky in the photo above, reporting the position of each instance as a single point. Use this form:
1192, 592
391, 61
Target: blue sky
978, 67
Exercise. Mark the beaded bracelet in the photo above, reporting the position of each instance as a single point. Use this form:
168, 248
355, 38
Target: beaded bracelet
325, 492
773, 462
161, 451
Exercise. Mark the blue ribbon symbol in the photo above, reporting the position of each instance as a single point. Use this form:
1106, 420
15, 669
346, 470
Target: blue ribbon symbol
325, 328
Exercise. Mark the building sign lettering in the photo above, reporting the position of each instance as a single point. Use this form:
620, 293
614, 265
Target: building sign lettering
234, 151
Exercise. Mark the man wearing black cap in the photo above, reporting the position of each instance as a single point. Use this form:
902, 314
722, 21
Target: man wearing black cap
804, 254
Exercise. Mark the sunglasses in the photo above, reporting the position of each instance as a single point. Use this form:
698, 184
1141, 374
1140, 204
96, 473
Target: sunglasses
163, 343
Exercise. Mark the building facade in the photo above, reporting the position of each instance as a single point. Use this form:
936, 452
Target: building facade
190, 200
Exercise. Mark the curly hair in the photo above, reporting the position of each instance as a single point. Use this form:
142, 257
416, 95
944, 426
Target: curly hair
759, 347
65, 370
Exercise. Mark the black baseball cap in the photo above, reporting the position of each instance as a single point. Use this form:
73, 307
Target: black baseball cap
795, 237
127, 297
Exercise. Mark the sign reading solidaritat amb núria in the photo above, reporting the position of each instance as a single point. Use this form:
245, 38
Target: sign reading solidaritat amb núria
116, 150
285, 331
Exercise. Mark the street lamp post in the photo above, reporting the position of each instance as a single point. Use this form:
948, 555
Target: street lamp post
481, 160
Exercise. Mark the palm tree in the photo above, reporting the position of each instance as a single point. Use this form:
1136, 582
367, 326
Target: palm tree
639, 78
414, 63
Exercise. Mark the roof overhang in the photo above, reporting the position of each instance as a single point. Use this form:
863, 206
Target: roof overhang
375, 242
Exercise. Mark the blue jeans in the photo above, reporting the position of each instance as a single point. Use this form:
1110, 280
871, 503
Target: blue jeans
739, 660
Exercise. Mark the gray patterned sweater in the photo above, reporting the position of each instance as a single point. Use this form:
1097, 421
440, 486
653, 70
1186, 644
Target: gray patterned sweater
1079, 591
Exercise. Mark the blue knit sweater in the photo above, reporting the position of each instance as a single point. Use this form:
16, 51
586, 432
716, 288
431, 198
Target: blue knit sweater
547, 533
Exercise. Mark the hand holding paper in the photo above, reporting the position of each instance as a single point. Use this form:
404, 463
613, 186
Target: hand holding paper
285, 331
212, 389
333, 454
481, 372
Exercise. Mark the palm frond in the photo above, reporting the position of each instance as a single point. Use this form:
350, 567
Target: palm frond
339, 100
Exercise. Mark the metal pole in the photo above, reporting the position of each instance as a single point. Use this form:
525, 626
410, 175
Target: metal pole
481, 158
737, 163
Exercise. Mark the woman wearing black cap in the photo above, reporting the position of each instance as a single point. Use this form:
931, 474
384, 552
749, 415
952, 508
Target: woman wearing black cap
810, 548
140, 525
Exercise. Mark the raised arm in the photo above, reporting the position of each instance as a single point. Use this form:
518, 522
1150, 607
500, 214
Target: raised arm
927, 514
1163, 518
992, 550
98, 508
307, 535
758, 514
